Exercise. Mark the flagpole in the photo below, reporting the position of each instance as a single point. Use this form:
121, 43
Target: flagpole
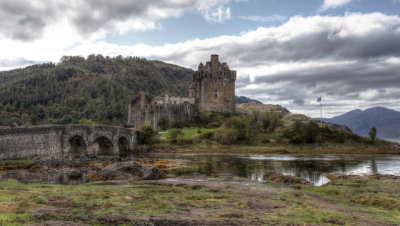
321, 113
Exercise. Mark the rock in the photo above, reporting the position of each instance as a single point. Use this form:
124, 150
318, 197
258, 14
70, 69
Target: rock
130, 170
286, 179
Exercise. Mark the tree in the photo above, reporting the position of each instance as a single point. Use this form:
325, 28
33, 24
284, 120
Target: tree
146, 134
372, 134
164, 122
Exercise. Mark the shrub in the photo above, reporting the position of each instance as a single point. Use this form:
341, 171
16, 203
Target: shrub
146, 134
234, 130
209, 119
299, 132
311, 132
174, 133
264, 121
85, 121
207, 135
181, 139
164, 123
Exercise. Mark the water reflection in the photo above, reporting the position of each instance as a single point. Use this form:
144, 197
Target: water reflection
255, 167
311, 168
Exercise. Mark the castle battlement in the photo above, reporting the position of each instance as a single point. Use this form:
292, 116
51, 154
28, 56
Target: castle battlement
212, 89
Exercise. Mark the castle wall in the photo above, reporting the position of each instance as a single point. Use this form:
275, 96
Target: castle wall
153, 113
212, 89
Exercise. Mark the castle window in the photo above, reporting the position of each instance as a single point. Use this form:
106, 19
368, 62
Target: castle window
216, 93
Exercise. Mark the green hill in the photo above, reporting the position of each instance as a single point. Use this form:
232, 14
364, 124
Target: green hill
95, 88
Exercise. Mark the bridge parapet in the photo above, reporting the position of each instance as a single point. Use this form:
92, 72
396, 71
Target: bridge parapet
65, 141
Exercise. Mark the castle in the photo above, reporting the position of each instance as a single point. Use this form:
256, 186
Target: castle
212, 89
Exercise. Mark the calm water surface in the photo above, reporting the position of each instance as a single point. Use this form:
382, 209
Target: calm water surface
254, 167
311, 168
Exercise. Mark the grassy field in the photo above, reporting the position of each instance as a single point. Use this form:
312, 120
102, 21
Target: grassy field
317, 149
351, 201
187, 132
191, 143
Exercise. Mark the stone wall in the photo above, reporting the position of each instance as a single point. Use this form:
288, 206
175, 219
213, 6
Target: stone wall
59, 142
30, 142
213, 87
176, 109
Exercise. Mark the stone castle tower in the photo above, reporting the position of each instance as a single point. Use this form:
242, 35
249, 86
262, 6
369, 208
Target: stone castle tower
213, 87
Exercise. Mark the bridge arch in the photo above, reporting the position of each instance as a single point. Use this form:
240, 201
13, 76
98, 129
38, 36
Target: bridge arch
78, 145
124, 147
104, 146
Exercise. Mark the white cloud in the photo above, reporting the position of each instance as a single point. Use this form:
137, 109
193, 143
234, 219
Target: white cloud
352, 61
215, 11
28, 20
272, 18
332, 4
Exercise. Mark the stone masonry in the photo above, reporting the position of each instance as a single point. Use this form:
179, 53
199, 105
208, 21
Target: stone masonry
212, 89
65, 141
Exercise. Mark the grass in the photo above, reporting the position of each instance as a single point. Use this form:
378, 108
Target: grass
15, 164
212, 147
188, 132
352, 201
266, 144
370, 191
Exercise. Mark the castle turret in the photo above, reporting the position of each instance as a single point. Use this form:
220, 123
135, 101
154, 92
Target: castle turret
201, 66
213, 87
214, 63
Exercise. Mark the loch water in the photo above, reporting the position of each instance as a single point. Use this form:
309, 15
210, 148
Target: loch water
311, 168
254, 167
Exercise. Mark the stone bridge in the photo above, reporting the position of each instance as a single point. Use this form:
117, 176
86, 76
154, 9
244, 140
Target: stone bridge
65, 141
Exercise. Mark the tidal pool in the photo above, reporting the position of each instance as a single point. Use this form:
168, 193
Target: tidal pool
311, 168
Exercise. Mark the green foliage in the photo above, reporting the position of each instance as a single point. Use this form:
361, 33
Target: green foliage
146, 134
234, 130
174, 134
96, 88
372, 134
210, 119
300, 132
85, 121
164, 122
264, 121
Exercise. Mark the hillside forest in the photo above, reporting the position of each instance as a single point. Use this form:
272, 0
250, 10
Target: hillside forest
95, 89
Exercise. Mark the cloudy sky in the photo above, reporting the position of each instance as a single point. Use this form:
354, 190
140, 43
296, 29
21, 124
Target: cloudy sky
286, 52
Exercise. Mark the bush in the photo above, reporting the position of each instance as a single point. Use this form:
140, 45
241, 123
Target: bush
146, 134
164, 123
85, 121
264, 121
181, 139
174, 134
208, 135
210, 119
234, 130
311, 132
300, 132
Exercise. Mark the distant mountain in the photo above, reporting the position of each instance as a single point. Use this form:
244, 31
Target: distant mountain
244, 100
386, 121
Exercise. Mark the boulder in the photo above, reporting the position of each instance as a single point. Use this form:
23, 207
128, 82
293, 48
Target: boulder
287, 179
130, 170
